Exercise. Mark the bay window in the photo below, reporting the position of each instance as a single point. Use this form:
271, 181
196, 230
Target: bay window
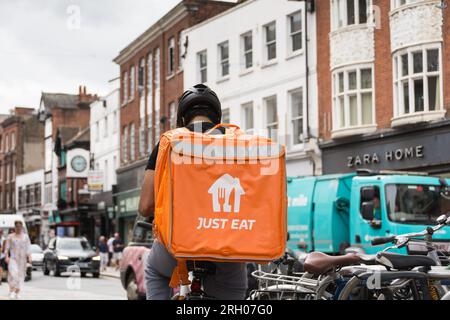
417, 80
353, 97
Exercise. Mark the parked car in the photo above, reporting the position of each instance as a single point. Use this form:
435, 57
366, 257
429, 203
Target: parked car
70, 254
133, 262
37, 256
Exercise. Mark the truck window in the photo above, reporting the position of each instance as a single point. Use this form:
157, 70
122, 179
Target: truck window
376, 203
415, 204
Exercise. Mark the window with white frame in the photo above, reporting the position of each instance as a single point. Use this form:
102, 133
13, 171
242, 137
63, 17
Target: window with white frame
142, 136
157, 125
202, 62
157, 68
125, 87
171, 56
116, 122
97, 131
224, 59
141, 76
172, 115
149, 74
7, 143
417, 80
132, 82
13, 141
349, 12
13, 169
247, 50
296, 112
125, 144
180, 51
150, 132
353, 97
398, 3
248, 118
270, 41
105, 127
271, 114
8, 171
226, 115
132, 142
295, 32
106, 182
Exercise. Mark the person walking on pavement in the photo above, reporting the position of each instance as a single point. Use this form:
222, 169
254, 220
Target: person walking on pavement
103, 252
118, 248
18, 253
2, 256
110, 250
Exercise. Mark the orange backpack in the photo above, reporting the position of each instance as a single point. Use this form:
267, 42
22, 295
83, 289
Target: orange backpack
220, 197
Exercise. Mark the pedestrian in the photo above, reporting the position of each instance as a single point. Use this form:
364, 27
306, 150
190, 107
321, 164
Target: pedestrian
2, 256
118, 248
17, 251
110, 249
103, 252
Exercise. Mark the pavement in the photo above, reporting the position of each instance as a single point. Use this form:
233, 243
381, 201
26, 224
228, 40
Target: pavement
111, 272
70, 287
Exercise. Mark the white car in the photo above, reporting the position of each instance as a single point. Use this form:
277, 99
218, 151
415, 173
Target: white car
37, 257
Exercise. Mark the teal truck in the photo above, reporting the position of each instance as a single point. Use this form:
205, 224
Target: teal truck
333, 213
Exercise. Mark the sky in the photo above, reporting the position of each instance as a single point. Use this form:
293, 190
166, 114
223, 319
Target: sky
57, 45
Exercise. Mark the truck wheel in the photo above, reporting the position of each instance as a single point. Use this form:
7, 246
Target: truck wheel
132, 287
96, 274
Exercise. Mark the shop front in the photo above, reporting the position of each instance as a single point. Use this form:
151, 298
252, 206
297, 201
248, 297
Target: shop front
126, 197
422, 148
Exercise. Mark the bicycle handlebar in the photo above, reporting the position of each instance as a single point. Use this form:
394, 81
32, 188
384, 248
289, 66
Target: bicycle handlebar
408, 236
382, 240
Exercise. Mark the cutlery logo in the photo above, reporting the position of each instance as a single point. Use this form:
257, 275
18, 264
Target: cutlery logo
221, 191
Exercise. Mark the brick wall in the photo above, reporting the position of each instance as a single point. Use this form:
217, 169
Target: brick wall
323, 68
383, 68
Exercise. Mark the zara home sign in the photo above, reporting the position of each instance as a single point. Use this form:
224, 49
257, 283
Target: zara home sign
411, 152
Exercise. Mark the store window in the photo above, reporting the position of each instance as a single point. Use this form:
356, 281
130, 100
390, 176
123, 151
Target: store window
417, 80
353, 97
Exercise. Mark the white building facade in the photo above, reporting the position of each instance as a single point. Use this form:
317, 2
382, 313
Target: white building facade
105, 144
255, 57
30, 200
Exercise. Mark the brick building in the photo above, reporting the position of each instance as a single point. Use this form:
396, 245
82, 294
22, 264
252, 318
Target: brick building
21, 152
64, 116
151, 73
383, 78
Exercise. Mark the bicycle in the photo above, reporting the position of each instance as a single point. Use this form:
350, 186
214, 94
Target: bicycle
406, 277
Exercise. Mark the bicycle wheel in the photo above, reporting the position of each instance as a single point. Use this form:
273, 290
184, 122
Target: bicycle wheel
357, 289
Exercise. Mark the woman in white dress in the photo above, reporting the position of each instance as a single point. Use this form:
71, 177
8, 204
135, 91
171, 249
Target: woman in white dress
17, 255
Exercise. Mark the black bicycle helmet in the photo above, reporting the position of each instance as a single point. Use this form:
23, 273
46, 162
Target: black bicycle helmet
198, 100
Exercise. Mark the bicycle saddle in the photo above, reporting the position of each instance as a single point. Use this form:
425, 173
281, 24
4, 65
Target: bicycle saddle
319, 263
403, 262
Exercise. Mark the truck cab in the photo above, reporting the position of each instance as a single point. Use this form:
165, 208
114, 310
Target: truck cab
333, 212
